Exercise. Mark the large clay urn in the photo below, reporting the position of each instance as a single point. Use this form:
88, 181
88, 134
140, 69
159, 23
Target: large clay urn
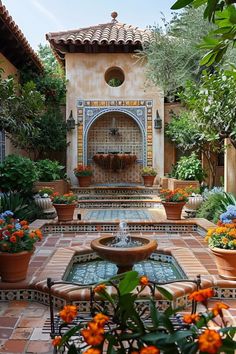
14, 266
226, 262
124, 257
173, 210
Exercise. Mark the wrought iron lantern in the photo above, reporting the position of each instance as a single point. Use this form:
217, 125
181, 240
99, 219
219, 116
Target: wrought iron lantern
70, 123
157, 121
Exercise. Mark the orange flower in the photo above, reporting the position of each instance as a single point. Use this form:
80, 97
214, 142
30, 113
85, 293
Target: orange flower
93, 334
209, 341
56, 341
100, 288
19, 233
151, 349
201, 295
143, 281
217, 309
68, 313
38, 233
25, 227
92, 351
32, 234
100, 319
23, 222
191, 318
10, 227
13, 239
1, 221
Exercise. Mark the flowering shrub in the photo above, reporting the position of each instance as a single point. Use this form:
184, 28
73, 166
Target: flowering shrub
69, 198
45, 192
148, 171
177, 195
224, 234
15, 235
82, 170
122, 327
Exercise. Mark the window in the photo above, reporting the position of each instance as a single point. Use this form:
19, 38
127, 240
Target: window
114, 76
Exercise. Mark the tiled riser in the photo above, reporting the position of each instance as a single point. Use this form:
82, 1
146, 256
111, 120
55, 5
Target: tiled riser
116, 191
119, 204
90, 228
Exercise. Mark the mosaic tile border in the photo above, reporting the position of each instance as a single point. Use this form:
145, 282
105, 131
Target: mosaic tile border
114, 191
91, 204
112, 227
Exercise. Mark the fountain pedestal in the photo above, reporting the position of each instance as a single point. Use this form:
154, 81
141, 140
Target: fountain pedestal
124, 257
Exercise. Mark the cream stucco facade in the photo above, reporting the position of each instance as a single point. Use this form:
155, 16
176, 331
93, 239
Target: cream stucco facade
86, 86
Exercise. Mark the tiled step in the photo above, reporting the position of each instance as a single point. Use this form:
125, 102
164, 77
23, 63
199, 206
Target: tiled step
94, 204
141, 190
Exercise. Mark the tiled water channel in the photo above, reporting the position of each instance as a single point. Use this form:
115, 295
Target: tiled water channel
116, 214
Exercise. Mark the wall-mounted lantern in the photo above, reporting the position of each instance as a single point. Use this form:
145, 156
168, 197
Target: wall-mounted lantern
70, 123
157, 121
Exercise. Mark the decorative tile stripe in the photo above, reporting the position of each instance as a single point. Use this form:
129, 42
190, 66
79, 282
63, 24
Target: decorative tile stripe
117, 204
112, 227
114, 191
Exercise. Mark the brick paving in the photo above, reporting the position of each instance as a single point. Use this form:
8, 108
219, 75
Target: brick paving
21, 322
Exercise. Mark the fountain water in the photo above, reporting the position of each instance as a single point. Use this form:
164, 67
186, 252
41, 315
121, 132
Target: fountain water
124, 250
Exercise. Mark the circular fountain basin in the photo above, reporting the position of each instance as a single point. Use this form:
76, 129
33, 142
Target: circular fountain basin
124, 257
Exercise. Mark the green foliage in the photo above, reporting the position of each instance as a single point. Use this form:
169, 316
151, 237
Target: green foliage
219, 41
124, 327
17, 173
22, 207
173, 56
189, 168
20, 105
148, 171
68, 198
49, 170
211, 208
48, 136
213, 101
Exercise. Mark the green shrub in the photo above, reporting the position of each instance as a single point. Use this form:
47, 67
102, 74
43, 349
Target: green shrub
49, 170
17, 173
212, 207
23, 208
189, 168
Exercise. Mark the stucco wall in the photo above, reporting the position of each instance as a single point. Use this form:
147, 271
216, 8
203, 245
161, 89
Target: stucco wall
85, 75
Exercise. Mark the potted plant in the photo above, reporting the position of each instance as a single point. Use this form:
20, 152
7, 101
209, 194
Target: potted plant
123, 327
148, 174
187, 172
65, 205
16, 247
84, 175
222, 243
43, 200
195, 199
173, 202
51, 174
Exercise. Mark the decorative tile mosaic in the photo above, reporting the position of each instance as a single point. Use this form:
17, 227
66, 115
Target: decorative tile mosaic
115, 214
118, 204
159, 268
115, 191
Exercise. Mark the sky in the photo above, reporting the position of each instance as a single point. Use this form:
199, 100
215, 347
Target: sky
38, 17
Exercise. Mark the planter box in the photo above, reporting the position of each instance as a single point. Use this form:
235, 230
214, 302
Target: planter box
178, 183
164, 182
61, 186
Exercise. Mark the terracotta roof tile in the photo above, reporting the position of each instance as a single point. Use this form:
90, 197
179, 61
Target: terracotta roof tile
114, 33
14, 30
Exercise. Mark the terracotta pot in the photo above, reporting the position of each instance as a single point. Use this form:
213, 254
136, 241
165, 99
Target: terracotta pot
226, 262
148, 180
65, 212
173, 210
14, 266
84, 181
